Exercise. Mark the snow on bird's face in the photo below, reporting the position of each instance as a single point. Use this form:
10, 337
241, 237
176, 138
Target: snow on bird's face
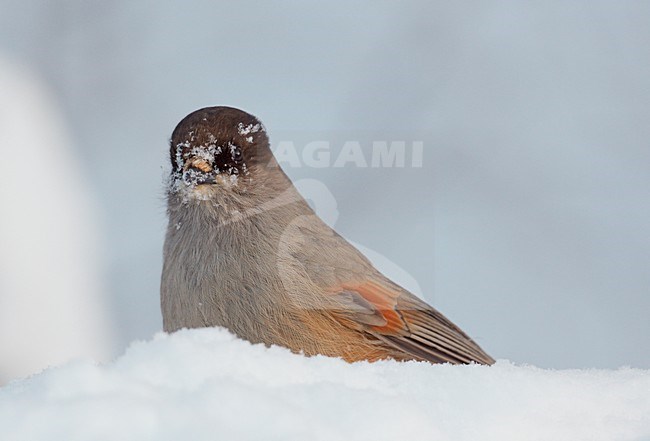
200, 170
217, 163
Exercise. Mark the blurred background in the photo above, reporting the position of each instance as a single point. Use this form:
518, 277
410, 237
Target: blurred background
527, 224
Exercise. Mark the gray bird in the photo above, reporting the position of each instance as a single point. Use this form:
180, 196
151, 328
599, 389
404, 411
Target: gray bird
245, 251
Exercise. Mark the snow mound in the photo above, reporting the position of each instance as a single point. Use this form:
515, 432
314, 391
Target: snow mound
208, 385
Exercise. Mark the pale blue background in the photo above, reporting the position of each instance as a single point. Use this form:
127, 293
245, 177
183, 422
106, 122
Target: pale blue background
528, 224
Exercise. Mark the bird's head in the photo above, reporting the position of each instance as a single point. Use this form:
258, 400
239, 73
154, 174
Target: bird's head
218, 150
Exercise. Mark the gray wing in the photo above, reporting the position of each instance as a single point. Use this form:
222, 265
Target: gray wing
363, 298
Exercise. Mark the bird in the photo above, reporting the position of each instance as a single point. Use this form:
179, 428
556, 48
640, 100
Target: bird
244, 250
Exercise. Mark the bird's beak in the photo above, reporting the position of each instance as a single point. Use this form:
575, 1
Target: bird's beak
198, 171
197, 164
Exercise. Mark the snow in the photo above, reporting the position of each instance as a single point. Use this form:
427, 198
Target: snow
250, 128
206, 384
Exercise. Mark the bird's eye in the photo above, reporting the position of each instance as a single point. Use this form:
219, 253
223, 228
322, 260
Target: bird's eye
237, 155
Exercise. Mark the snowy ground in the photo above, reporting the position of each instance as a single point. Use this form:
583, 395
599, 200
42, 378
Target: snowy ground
207, 385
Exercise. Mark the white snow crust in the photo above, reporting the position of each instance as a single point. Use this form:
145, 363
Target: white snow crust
208, 385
